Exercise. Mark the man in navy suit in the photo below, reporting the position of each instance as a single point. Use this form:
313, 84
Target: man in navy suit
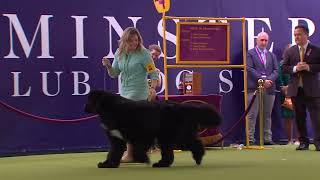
261, 64
302, 62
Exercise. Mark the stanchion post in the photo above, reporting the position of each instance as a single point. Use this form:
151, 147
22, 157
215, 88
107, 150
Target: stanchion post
261, 111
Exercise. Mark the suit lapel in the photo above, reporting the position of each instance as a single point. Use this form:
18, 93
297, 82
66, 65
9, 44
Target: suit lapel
308, 52
268, 59
259, 61
262, 65
269, 62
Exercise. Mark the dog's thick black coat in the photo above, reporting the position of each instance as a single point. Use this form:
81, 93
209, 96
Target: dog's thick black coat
141, 123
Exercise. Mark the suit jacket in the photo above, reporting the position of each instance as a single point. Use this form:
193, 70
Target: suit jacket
256, 69
310, 79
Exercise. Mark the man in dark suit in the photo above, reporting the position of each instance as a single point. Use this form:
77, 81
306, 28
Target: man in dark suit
261, 64
302, 62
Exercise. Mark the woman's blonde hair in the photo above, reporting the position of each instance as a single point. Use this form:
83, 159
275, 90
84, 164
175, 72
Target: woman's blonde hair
124, 39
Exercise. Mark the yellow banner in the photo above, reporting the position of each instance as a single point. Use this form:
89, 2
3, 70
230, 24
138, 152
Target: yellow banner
162, 5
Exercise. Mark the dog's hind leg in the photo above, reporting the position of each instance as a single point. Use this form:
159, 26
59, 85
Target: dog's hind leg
197, 150
117, 147
188, 139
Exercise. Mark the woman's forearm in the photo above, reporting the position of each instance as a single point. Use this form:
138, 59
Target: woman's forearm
154, 83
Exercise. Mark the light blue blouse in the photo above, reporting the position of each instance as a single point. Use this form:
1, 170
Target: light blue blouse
133, 70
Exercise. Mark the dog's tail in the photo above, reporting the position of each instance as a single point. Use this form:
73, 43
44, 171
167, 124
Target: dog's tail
203, 115
208, 117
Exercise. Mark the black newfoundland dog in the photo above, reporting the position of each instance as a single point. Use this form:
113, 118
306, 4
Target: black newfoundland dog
140, 123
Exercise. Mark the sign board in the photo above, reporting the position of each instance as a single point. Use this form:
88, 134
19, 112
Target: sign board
203, 43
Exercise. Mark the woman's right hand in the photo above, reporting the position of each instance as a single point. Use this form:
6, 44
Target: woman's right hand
106, 62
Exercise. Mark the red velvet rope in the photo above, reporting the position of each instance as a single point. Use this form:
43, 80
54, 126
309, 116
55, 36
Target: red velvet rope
242, 118
11, 108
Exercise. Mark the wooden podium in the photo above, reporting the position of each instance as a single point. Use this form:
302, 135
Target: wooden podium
192, 83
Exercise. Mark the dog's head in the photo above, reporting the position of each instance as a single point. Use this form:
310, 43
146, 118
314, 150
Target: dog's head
100, 101
94, 99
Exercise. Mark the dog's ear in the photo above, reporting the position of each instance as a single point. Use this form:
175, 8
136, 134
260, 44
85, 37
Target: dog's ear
102, 101
106, 100
94, 101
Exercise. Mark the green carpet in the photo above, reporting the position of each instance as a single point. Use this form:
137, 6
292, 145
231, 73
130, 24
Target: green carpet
280, 162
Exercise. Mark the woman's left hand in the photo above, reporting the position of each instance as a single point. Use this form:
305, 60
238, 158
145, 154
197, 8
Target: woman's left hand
152, 94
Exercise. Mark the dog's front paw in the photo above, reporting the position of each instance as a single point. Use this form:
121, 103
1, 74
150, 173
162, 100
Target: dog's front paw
147, 161
107, 164
161, 164
143, 159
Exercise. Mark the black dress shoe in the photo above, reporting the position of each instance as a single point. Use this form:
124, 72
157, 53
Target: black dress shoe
269, 143
303, 146
317, 147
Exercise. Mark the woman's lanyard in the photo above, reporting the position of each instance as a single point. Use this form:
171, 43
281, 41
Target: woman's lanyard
260, 57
